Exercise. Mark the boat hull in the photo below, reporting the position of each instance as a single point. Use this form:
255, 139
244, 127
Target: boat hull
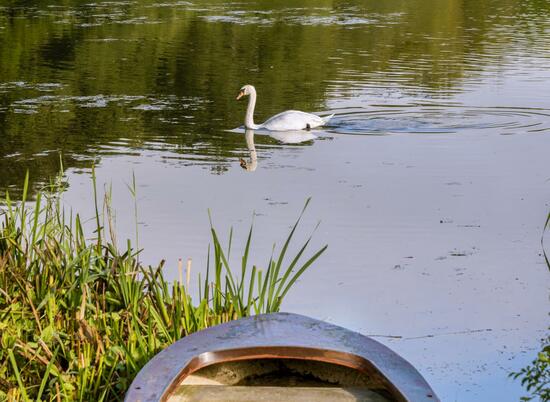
278, 336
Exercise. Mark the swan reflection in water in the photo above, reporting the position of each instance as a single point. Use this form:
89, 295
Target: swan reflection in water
253, 164
285, 137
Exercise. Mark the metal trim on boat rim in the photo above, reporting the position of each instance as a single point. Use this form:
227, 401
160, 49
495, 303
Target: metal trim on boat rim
278, 335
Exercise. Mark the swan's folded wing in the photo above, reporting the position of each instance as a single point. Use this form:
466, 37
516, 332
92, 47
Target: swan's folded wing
292, 120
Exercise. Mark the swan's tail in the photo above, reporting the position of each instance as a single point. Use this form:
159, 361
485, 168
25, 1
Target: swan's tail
327, 118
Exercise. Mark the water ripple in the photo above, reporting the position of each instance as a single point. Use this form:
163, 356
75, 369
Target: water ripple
432, 119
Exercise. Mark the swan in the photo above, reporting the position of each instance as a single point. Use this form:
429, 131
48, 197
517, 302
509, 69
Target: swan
289, 120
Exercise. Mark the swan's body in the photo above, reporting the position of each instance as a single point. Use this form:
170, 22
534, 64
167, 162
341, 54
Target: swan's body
292, 120
289, 120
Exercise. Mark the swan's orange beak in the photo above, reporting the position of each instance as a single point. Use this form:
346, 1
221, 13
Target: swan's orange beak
240, 95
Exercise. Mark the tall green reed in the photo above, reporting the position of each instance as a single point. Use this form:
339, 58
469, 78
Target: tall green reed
80, 316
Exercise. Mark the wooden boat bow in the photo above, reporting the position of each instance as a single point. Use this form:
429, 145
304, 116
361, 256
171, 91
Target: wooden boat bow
278, 336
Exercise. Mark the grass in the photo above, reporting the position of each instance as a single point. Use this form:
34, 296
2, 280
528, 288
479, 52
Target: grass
79, 317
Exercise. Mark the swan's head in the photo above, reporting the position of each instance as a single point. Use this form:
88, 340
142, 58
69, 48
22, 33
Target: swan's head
246, 90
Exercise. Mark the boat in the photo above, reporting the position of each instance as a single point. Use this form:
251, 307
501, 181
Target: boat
278, 357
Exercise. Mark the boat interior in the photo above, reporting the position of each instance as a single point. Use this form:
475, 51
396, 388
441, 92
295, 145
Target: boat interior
278, 380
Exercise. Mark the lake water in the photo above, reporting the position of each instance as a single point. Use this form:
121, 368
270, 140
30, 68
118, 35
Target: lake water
432, 182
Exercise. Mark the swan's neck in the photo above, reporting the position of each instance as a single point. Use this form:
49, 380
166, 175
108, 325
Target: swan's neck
249, 118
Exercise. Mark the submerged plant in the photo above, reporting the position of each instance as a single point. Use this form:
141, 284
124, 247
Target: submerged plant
80, 317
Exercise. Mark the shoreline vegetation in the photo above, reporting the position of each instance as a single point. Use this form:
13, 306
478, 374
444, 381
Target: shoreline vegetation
79, 317
535, 377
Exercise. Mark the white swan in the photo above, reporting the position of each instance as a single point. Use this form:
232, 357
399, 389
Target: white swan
289, 120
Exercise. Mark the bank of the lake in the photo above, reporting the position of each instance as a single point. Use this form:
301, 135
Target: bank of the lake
80, 316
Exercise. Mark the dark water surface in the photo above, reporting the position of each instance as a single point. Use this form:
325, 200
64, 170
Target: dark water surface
432, 181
